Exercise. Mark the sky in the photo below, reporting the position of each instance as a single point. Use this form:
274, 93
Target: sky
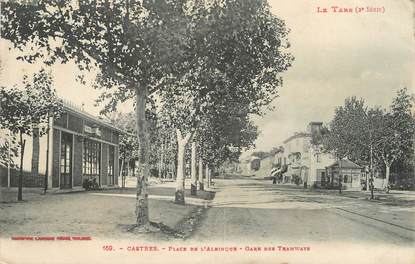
337, 55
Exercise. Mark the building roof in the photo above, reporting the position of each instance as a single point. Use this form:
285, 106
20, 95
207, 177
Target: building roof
315, 123
253, 157
69, 106
297, 135
345, 164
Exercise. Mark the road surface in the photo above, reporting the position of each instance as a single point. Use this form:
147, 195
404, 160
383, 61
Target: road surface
250, 210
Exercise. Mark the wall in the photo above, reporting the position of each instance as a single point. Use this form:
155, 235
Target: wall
56, 157
116, 165
71, 122
318, 162
104, 164
354, 173
77, 162
265, 167
28, 179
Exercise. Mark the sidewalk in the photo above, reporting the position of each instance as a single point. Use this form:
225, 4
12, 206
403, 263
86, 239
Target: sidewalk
394, 197
106, 213
155, 187
10, 194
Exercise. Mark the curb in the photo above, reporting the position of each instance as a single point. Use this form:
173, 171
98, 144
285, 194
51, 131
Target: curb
78, 190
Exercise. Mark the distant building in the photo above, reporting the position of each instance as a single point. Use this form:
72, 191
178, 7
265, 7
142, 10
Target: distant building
81, 147
306, 162
253, 165
351, 175
250, 165
279, 157
266, 164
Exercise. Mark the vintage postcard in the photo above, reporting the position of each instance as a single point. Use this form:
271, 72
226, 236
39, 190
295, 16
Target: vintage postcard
198, 131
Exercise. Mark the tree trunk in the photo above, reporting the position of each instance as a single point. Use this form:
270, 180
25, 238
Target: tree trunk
47, 157
20, 187
8, 162
122, 172
128, 172
193, 187
142, 192
133, 168
35, 153
388, 167
340, 176
160, 174
371, 181
121, 168
207, 176
180, 179
201, 185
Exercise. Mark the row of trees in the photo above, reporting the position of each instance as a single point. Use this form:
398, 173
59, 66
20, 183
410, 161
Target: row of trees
373, 136
209, 65
26, 110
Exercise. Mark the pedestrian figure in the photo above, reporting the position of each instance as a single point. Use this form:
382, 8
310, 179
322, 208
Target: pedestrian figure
274, 174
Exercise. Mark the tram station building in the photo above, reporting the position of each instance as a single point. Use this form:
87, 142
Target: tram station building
81, 146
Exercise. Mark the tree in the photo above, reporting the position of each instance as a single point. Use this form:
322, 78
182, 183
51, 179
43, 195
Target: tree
28, 109
373, 136
396, 131
346, 136
8, 149
317, 137
136, 45
143, 47
8, 145
347, 130
239, 57
128, 148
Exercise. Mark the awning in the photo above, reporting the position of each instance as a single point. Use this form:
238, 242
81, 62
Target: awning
275, 171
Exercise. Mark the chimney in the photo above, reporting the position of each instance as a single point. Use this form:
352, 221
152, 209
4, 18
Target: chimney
314, 127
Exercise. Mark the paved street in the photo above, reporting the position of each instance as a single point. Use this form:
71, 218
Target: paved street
258, 211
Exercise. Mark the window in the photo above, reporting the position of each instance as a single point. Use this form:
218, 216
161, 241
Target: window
66, 154
91, 158
346, 178
318, 158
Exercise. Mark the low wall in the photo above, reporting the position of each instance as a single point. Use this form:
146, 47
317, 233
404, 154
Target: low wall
28, 180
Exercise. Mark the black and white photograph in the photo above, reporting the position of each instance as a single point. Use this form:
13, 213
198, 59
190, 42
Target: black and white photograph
199, 131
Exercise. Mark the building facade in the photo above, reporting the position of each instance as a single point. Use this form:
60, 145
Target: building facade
306, 162
265, 166
81, 147
351, 175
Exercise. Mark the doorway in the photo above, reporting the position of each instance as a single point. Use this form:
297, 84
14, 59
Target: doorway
66, 161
